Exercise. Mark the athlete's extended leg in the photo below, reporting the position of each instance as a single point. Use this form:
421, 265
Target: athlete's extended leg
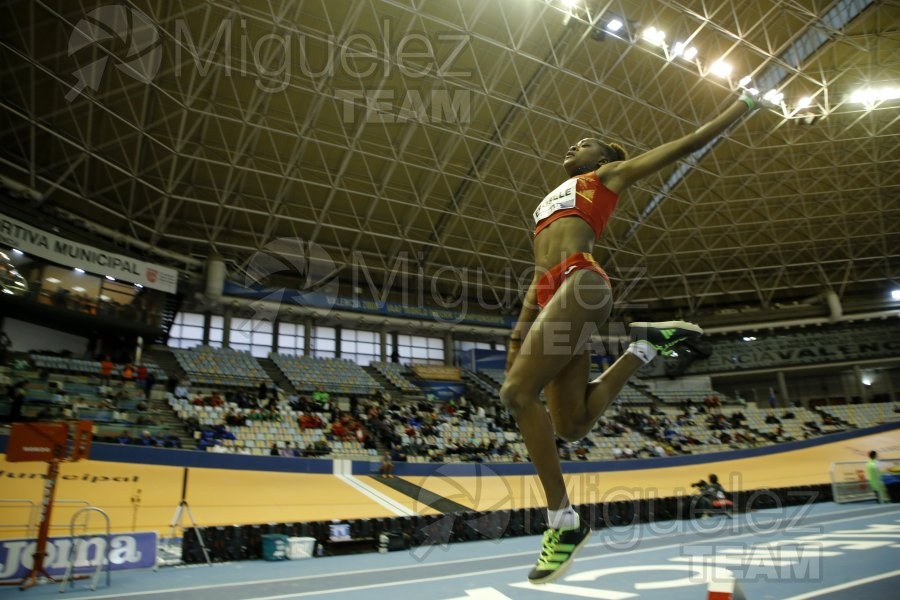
575, 405
560, 333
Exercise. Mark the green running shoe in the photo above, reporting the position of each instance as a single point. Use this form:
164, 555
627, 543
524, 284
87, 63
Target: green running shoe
665, 335
557, 549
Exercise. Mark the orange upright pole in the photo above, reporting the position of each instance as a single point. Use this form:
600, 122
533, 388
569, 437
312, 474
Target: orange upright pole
40, 553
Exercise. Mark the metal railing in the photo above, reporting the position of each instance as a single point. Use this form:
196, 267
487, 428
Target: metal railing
81, 539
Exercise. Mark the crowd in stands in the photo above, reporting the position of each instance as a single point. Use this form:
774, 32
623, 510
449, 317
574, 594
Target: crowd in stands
229, 419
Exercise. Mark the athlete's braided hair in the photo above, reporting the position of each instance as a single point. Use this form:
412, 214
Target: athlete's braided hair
613, 150
616, 152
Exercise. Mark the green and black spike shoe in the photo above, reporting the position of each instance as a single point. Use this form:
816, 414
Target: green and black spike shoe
557, 549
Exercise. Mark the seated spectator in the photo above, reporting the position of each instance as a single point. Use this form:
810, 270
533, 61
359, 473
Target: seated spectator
289, 450
219, 448
387, 466
232, 418
106, 368
181, 391
142, 372
216, 400
262, 393
125, 438
309, 421
771, 419
581, 452
147, 439
274, 450
338, 431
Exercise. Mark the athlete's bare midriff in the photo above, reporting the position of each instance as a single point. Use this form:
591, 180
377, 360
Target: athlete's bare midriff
561, 239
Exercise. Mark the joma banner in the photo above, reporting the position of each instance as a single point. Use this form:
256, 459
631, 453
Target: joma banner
120, 551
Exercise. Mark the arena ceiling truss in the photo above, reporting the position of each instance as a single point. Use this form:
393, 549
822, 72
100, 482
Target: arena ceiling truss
420, 134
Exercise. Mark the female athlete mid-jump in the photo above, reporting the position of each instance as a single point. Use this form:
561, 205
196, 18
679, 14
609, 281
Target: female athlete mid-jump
568, 300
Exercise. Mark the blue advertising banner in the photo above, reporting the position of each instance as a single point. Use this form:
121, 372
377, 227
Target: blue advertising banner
120, 551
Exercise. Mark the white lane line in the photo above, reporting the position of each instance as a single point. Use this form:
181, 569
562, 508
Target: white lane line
343, 574
343, 470
372, 586
845, 586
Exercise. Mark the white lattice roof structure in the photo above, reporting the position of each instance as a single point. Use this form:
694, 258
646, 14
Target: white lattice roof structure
429, 129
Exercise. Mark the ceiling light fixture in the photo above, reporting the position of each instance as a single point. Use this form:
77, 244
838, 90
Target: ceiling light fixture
720, 69
655, 36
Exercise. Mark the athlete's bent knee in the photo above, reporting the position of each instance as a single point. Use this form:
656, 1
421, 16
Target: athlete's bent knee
512, 396
571, 432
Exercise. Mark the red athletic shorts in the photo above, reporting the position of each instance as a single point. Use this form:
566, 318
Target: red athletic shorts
553, 279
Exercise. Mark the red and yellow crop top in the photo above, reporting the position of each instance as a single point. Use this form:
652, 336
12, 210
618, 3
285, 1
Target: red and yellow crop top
583, 196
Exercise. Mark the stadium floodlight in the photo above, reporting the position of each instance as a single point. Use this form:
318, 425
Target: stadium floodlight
655, 36
720, 69
804, 102
745, 81
895, 294
683, 50
869, 97
614, 25
773, 97
78, 270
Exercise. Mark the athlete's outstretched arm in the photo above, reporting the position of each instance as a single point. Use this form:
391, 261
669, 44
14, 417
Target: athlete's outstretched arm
620, 175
